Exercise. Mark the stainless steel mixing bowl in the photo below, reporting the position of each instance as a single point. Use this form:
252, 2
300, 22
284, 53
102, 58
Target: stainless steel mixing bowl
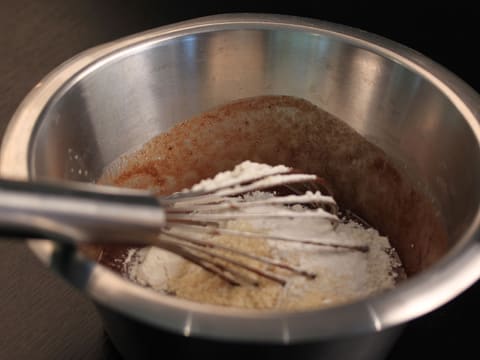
115, 97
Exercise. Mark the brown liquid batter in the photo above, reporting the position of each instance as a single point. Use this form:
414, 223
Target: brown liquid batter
294, 132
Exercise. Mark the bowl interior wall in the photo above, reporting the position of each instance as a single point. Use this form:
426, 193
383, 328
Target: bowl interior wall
145, 91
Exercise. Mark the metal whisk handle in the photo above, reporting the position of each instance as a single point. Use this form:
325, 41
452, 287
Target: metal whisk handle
77, 212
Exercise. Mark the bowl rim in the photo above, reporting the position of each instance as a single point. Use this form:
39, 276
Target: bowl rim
458, 270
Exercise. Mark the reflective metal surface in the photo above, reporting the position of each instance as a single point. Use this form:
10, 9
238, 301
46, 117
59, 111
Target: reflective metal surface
111, 99
77, 213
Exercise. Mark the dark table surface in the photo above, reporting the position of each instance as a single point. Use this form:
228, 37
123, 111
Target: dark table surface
42, 317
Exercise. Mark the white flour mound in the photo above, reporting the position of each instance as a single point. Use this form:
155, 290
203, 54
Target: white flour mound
342, 275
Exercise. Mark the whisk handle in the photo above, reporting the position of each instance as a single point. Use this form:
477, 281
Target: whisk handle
77, 212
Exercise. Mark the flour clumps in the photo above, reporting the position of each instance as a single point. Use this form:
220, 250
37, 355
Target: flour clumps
343, 275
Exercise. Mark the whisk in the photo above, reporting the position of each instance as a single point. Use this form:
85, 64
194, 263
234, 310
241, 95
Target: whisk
185, 223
